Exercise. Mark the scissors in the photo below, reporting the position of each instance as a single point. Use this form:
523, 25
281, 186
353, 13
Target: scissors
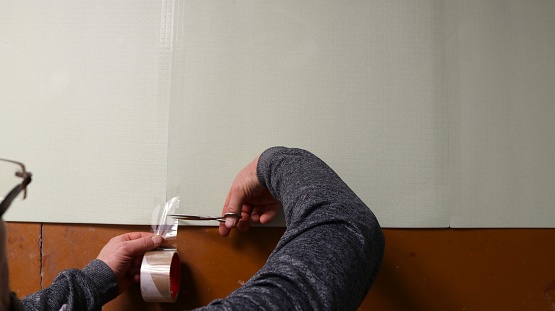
195, 217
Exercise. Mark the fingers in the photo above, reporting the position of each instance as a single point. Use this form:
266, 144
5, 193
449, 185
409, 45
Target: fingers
134, 235
268, 216
264, 214
136, 264
245, 186
234, 203
244, 223
224, 231
137, 243
135, 270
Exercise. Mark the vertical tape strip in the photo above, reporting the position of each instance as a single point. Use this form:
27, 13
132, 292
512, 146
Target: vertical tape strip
164, 71
160, 268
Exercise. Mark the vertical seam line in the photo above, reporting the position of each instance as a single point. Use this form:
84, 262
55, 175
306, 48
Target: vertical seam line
41, 252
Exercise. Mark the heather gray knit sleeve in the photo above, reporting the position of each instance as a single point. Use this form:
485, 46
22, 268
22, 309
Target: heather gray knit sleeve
332, 248
87, 289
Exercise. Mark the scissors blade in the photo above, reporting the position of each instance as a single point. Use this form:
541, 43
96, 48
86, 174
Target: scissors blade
193, 217
196, 217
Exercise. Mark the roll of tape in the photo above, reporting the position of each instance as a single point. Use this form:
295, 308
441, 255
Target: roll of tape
160, 276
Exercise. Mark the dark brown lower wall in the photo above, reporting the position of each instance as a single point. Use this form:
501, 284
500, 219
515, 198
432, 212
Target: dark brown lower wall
423, 269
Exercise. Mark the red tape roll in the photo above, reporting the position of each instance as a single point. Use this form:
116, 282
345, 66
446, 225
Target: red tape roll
160, 276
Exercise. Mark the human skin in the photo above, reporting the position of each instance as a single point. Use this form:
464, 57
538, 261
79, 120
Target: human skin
248, 197
124, 254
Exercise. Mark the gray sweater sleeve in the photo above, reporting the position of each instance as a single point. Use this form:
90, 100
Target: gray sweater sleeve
87, 289
332, 248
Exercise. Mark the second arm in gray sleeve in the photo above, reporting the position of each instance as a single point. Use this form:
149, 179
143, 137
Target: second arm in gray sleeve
331, 250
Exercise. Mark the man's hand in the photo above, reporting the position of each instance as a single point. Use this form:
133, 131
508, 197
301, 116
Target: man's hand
124, 254
248, 197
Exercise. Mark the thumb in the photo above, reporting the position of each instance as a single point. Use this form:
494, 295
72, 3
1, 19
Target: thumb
144, 244
235, 205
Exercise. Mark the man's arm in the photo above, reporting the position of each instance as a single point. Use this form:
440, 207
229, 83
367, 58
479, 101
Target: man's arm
115, 269
331, 250
87, 289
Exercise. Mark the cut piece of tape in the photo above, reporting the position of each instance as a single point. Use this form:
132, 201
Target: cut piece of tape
160, 276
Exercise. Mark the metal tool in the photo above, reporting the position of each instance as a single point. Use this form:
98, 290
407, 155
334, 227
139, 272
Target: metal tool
195, 217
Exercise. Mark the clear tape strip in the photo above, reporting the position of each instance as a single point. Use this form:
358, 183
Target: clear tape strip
160, 268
